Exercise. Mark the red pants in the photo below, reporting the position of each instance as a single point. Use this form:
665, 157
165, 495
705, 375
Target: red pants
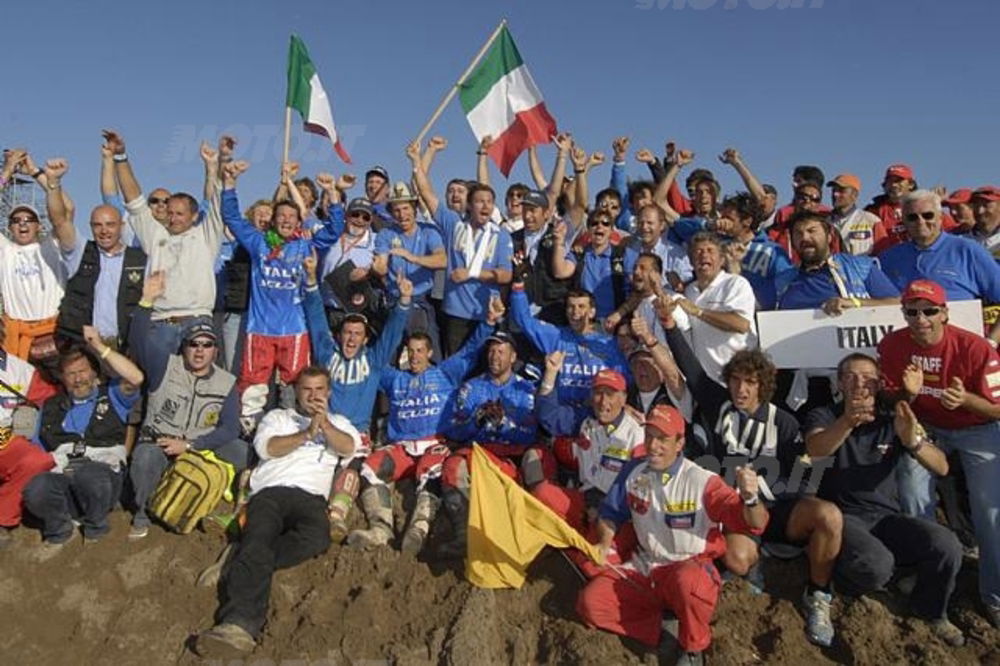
633, 606
261, 353
20, 462
568, 504
392, 463
456, 467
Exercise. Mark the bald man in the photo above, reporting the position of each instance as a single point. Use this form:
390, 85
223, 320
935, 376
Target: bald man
106, 283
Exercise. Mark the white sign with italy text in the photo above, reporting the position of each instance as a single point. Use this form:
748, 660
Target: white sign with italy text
812, 339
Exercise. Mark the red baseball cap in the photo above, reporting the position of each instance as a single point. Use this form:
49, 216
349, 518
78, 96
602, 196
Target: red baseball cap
988, 192
927, 290
899, 171
961, 196
608, 378
666, 419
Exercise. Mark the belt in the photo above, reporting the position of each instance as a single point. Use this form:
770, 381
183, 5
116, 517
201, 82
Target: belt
178, 320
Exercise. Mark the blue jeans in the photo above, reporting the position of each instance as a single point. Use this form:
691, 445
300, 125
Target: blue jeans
149, 462
978, 448
88, 492
233, 335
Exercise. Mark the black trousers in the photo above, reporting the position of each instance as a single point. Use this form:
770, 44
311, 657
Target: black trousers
873, 546
285, 526
457, 331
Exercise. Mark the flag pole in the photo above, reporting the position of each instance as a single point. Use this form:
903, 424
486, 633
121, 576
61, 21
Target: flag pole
454, 89
288, 133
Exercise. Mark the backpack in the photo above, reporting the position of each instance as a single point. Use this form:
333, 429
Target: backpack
190, 489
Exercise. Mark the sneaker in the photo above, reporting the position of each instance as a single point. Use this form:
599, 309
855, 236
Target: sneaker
137, 532
819, 627
49, 549
224, 641
947, 632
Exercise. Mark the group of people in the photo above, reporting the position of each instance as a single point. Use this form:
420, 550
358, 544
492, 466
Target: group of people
333, 346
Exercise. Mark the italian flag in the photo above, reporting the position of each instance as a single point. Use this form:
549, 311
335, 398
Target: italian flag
307, 96
501, 100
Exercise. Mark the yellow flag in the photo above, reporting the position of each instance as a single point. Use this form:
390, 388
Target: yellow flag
508, 528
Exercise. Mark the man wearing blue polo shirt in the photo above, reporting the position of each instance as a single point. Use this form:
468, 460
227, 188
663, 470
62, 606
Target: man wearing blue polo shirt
479, 254
600, 268
415, 250
833, 282
964, 268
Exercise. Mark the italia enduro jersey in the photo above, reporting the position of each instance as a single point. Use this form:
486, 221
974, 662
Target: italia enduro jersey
275, 278
677, 513
586, 355
353, 381
421, 406
516, 425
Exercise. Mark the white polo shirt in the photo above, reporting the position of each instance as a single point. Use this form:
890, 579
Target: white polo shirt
310, 467
713, 346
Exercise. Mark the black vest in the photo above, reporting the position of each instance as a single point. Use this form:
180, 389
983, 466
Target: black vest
542, 287
104, 428
236, 272
77, 308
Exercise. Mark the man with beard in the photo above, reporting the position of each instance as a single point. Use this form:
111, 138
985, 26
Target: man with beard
868, 441
421, 406
415, 250
833, 282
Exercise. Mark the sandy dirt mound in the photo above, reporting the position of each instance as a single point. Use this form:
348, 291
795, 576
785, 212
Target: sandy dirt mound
136, 603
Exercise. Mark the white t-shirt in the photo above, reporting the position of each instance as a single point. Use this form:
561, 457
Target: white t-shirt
713, 346
310, 467
32, 279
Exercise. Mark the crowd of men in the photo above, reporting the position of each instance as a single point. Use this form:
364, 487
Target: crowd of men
334, 345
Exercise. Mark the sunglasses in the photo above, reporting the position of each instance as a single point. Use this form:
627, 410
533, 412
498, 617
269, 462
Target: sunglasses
22, 220
927, 215
364, 216
805, 197
201, 344
912, 313
599, 223
157, 200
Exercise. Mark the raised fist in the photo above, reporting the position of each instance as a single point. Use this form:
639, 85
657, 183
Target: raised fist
114, 141
56, 168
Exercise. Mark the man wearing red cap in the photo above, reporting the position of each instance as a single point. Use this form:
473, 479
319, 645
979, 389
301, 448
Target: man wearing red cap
678, 511
606, 442
951, 378
962, 267
959, 203
888, 207
857, 227
985, 204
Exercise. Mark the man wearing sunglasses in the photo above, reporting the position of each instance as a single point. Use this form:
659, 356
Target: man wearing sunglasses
32, 269
951, 378
964, 268
192, 403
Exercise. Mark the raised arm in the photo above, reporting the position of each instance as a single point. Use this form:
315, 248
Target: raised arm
577, 213
109, 185
55, 204
705, 390
323, 344
119, 364
562, 267
732, 157
421, 179
482, 163
123, 169
673, 379
564, 143
681, 159
535, 166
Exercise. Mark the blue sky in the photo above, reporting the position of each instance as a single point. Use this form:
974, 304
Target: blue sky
851, 85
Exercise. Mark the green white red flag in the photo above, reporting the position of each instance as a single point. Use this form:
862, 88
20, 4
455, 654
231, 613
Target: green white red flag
500, 99
307, 96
